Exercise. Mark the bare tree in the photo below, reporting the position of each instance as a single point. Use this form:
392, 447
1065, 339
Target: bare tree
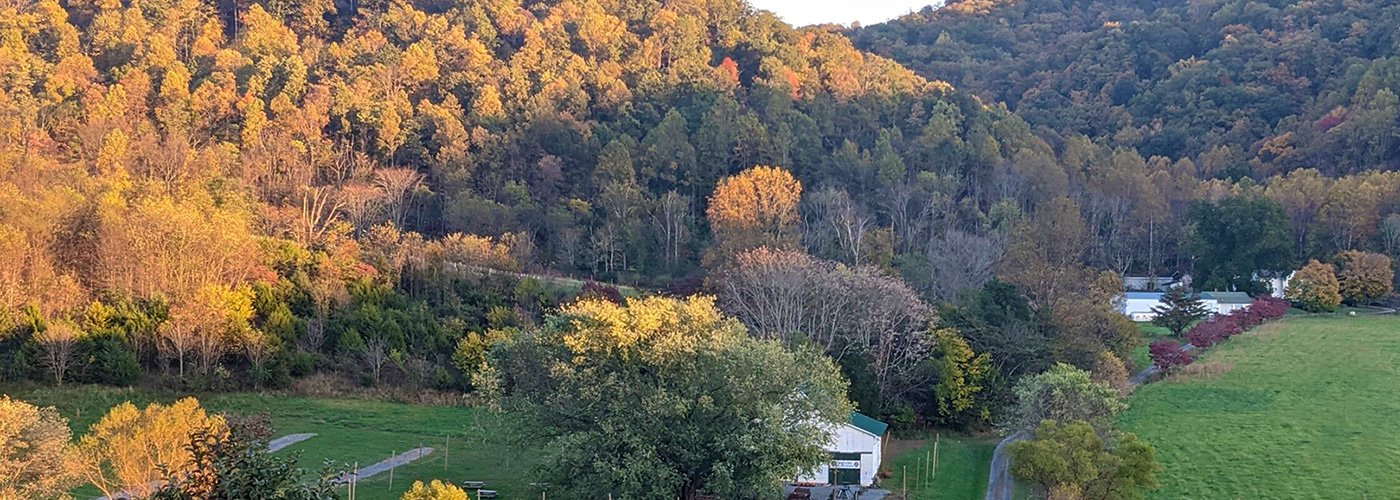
961, 261
178, 336
845, 311
670, 215
315, 335
361, 204
57, 340
400, 186
211, 343
319, 208
1390, 232
376, 355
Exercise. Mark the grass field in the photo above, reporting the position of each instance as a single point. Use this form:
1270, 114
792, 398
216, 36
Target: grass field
1306, 409
348, 430
963, 464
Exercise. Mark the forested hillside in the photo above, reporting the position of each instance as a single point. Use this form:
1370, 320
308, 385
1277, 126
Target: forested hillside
1241, 87
293, 186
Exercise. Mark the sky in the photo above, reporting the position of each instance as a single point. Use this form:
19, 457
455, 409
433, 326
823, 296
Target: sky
805, 12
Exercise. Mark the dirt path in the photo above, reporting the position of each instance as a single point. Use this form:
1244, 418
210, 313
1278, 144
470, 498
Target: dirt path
288, 440
394, 461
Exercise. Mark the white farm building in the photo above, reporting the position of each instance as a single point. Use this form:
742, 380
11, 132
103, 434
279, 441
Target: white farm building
855, 450
1138, 305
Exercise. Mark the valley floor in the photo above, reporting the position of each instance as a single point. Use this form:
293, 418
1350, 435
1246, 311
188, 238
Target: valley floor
1302, 408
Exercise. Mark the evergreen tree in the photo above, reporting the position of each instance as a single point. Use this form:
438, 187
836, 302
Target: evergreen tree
1180, 308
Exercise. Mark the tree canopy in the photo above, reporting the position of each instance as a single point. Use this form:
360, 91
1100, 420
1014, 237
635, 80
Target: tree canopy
668, 398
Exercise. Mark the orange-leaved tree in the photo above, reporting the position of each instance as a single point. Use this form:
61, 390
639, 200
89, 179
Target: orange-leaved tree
754, 208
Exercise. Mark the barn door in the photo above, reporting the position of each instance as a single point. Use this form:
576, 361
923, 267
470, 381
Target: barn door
845, 469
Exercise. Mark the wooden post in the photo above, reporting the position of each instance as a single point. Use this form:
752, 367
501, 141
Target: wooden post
927, 454
904, 477
446, 447
391, 470
936, 439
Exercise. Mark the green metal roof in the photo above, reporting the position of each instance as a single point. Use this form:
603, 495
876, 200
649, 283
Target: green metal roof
1228, 297
868, 424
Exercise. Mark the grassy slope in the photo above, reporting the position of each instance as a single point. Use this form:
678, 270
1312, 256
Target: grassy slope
1307, 411
347, 430
963, 464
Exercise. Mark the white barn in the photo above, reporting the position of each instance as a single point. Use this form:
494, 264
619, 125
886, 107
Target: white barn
855, 450
1138, 305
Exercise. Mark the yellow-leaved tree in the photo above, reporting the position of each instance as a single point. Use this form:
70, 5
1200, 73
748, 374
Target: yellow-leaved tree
32, 441
1314, 288
1364, 276
437, 490
755, 208
126, 449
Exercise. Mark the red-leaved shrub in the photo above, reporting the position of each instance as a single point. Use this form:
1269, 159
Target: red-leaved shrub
1166, 354
1269, 307
1222, 326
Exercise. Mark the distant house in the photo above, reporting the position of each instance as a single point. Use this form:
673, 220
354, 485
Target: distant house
1228, 302
855, 450
1279, 284
1138, 305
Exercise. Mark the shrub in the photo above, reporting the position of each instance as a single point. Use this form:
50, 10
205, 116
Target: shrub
1269, 307
1167, 354
301, 363
596, 290
1314, 288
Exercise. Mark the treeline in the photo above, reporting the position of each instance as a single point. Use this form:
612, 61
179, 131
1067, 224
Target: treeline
1241, 87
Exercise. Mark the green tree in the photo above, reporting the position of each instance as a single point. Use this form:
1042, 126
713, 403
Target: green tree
1064, 393
1072, 461
1314, 288
962, 377
666, 398
1237, 239
1179, 310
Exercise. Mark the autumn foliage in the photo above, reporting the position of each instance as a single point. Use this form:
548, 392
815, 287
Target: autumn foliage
755, 208
1167, 353
124, 451
1364, 276
1314, 288
1222, 326
32, 448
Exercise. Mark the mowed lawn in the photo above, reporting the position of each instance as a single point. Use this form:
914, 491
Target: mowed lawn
348, 430
961, 472
1307, 409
